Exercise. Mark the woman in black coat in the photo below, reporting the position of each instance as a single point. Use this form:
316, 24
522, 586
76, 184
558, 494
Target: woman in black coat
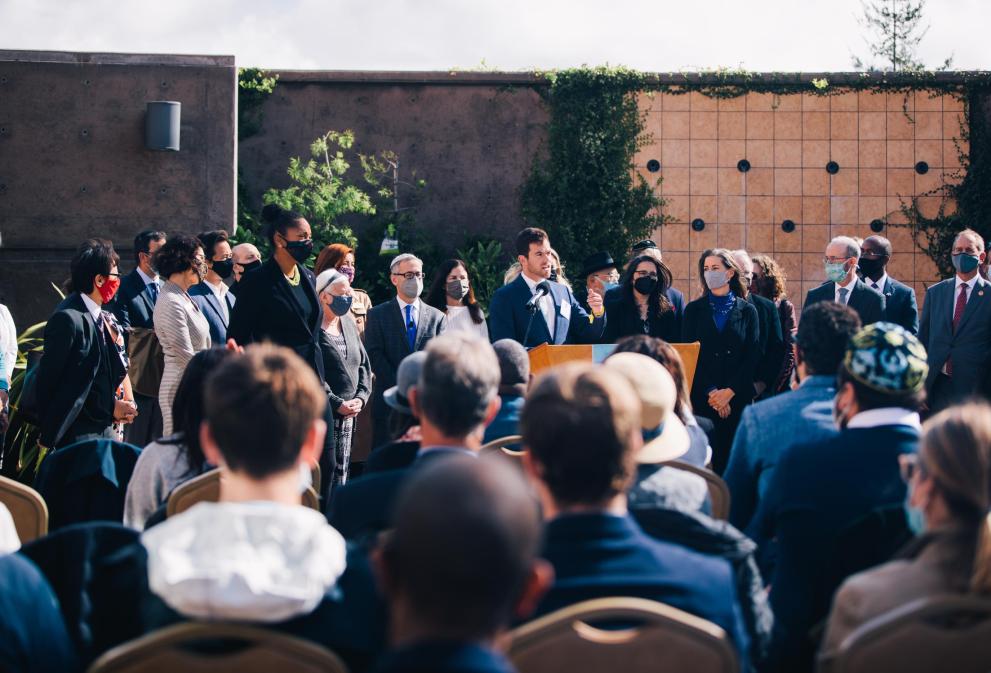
640, 305
345, 363
726, 325
278, 302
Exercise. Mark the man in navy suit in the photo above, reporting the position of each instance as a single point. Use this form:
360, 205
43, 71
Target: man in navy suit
456, 397
842, 284
581, 430
134, 308
450, 600
899, 299
212, 295
557, 317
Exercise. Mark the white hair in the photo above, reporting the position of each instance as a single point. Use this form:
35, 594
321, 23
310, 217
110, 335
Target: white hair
741, 253
852, 247
405, 257
328, 278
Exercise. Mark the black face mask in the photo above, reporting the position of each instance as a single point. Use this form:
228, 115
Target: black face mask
871, 267
300, 250
249, 266
223, 268
645, 284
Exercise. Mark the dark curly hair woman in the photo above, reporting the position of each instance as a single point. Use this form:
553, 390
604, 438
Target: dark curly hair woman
641, 305
180, 326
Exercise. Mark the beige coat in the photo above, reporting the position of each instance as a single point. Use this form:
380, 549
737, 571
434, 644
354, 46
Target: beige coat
937, 563
359, 309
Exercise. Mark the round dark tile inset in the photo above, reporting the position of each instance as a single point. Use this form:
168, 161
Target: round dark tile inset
832, 168
743, 165
698, 224
653, 165
922, 168
877, 226
788, 226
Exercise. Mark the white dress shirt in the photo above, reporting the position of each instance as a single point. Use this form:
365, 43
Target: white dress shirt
414, 314
971, 286
149, 280
220, 291
546, 303
879, 284
849, 288
459, 319
92, 307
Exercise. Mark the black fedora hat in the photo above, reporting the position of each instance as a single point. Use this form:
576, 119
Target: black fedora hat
597, 262
640, 246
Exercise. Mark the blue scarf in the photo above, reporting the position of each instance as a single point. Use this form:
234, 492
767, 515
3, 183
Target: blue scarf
721, 308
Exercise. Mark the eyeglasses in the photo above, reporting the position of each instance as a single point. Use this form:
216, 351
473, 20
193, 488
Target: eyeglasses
410, 275
909, 465
113, 275
834, 260
872, 254
645, 274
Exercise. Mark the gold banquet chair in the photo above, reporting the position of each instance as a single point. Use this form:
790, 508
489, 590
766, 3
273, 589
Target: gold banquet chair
27, 508
499, 448
719, 494
665, 639
206, 488
197, 647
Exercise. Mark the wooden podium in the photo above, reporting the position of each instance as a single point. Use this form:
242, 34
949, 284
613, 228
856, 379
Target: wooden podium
545, 356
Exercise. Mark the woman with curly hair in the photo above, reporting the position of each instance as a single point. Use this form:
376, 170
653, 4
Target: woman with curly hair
452, 294
769, 282
340, 257
180, 326
641, 305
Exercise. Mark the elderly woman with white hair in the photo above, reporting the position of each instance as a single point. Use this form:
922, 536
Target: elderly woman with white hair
345, 363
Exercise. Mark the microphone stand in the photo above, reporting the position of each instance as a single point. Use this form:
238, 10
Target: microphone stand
533, 312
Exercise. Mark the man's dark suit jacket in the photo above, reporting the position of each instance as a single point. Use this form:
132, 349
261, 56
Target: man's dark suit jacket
363, 507
67, 369
266, 310
133, 305
866, 301
772, 343
203, 296
900, 306
598, 555
508, 317
818, 490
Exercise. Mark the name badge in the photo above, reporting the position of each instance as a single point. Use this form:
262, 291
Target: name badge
566, 311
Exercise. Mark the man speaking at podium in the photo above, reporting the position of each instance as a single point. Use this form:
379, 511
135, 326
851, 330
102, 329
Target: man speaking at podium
535, 310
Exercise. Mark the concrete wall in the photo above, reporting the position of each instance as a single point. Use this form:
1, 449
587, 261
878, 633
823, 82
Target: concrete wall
471, 136
73, 162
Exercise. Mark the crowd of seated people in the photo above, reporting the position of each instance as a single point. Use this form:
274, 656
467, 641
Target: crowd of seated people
845, 496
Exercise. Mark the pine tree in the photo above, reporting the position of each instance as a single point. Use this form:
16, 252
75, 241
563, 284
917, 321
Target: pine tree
895, 30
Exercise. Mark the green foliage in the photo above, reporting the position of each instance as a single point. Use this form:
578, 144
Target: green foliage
486, 262
585, 193
253, 87
322, 192
895, 34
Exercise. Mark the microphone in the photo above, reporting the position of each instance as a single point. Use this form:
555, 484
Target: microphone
543, 288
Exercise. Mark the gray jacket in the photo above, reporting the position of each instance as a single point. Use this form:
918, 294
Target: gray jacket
969, 346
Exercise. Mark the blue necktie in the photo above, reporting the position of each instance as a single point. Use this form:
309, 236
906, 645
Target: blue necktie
153, 289
410, 327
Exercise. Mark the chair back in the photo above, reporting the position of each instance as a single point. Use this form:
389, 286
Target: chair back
719, 495
663, 638
27, 508
940, 633
500, 448
206, 488
218, 648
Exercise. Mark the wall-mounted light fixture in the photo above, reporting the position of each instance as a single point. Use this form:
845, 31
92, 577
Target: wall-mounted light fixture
162, 125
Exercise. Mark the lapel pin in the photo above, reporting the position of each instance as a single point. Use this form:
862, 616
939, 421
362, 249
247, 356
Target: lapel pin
980, 293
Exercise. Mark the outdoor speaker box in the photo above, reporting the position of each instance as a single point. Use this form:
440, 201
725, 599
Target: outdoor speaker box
162, 125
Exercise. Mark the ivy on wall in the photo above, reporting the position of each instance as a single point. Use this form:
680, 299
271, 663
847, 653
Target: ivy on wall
585, 191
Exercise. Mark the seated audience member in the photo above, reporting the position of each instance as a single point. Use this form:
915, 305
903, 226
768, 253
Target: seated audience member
33, 637
661, 351
950, 484
673, 505
582, 430
450, 601
455, 397
822, 491
170, 461
257, 555
769, 427
514, 378
664, 438
404, 426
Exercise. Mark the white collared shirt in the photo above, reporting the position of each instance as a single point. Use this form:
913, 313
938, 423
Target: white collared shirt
414, 314
971, 286
220, 291
849, 288
546, 303
874, 418
92, 307
879, 285
149, 280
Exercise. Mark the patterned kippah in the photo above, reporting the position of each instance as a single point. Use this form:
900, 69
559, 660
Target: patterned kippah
887, 358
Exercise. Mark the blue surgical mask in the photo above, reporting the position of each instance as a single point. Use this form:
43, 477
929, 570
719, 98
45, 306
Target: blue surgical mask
835, 271
652, 434
965, 263
914, 518
340, 305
